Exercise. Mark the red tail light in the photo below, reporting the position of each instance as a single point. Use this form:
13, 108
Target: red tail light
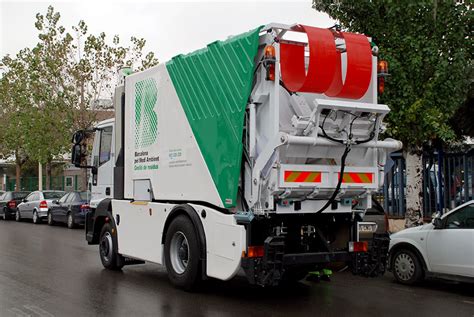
362, 246
43, 204
255, 251
84, 207
12, 204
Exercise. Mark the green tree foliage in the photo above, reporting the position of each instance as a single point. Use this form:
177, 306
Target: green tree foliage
14, 97
429, 49
49, 91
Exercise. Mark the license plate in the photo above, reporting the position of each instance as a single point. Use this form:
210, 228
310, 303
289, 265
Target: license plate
367, 227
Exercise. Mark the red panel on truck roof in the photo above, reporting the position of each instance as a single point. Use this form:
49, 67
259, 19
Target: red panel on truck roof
322, 64
324, 73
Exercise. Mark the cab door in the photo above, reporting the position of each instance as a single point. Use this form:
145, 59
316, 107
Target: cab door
103, 160
451, 248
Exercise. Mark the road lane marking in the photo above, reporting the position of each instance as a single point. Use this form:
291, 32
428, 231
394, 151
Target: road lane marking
41, 312
18, 312
403, 289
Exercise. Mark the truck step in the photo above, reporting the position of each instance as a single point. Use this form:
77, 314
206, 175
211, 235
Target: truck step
131, 261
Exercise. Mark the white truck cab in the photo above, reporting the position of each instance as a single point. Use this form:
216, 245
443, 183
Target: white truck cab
103, 158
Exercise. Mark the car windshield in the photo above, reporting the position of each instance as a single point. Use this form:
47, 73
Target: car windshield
52, 195
84, 195
19, 195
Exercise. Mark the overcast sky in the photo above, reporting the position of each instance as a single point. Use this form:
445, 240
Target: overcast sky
169, 27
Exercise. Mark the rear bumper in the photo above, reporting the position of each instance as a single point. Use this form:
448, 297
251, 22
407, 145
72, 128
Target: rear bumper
80, 219
269, 269
10, 212
43, 213
298, 259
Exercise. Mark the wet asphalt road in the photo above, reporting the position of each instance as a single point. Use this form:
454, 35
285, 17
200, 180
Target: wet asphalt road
51, 271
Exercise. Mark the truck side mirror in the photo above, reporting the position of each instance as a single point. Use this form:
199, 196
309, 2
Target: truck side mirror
438, 223
76, 155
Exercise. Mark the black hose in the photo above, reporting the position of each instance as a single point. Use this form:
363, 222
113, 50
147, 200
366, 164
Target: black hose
338, 187
343, 158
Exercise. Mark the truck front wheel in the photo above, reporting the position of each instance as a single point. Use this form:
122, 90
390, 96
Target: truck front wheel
182, 253
108, 249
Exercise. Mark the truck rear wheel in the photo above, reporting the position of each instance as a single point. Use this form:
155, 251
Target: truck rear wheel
182, 253
108, 249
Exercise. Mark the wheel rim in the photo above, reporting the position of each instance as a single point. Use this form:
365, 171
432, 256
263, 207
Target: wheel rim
106, 246
35, 217
404, 266
17, 215
69, 221
50, 218
179, 252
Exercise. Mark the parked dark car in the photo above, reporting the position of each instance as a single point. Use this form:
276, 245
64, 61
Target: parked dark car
377, 214
8, 203
71, 209
35, 206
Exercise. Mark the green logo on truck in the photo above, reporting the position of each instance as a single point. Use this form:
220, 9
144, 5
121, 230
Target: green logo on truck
145, 116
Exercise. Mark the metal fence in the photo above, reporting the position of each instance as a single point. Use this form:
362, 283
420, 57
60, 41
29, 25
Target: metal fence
447, 182
56, 183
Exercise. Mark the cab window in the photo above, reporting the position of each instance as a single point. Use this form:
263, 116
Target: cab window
461, 219
105, 146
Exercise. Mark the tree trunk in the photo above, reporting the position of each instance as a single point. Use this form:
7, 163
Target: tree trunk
414, 190
48, 175
18, 175
18, 164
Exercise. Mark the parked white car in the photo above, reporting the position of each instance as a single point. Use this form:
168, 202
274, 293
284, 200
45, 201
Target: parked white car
443, 248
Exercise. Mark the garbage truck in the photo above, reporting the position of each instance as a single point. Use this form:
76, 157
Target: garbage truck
258, 153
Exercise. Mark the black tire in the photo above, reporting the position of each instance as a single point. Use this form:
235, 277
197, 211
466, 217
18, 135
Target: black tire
5, 216
406, 267
50, 219
37, 219
70, 222
182, 258
18, 216
109, 256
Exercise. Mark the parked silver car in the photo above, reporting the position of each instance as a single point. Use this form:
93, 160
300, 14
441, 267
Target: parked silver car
35, 206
